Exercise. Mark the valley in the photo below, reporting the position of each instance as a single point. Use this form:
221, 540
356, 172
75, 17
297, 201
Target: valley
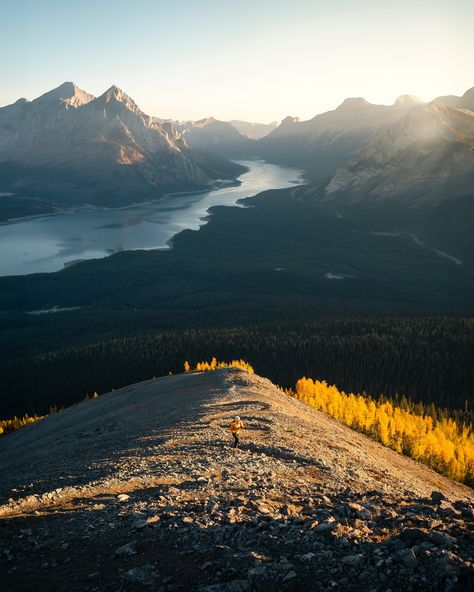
293, 239
237, 296
49, 243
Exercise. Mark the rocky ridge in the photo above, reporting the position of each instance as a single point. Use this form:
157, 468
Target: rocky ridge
140, 490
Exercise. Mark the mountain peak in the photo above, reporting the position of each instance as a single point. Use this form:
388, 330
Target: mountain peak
352, 103
206, 121
289, 120
467, 100
407, 100
116, 95
115, 91
67, 92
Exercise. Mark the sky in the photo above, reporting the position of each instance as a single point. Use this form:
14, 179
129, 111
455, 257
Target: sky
256, 60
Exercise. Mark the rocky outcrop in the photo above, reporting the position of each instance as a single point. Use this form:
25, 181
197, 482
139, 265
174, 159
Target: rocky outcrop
140, 489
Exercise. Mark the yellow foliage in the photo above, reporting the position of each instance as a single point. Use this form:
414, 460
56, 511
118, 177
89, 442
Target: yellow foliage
215, 365
8, 425
443, 445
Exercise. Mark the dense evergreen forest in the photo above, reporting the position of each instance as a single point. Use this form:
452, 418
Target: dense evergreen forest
294, 288
427, 359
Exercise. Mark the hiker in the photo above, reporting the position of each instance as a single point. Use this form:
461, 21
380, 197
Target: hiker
235, 426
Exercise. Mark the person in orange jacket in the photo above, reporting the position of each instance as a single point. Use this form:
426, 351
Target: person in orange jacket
235, 426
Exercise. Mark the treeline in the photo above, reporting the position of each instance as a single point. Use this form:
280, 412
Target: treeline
444, 445
215, 365
8, 425
428, 360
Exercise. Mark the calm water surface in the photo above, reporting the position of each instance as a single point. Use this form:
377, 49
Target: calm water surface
48, 243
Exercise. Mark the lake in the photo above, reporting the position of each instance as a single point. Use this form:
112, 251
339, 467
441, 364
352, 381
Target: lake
48, 243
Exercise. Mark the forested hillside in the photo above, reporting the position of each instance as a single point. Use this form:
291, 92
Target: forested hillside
429, 360
444, 444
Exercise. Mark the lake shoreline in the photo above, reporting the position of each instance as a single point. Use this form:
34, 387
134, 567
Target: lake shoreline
59, 210
62, 239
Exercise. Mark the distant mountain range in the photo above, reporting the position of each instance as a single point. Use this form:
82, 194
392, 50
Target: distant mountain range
69, 146
364, 148
212, 135
427, 154
255, 131
329, 139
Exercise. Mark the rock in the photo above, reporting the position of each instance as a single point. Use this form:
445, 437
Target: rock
441, 539
26, 531
408, 558
437, 497
123, 497
143, 574
206, 565
128, 549
360, 511
307, 557
290, 577
325, 527
139, 524
259, 579
291, 510
413, 536
353, 560
233, 586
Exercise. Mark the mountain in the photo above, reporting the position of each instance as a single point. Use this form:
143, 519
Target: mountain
427, 155
140, 488
254, 131
71, 147
327, 141
416, 177
214, 136
464, 102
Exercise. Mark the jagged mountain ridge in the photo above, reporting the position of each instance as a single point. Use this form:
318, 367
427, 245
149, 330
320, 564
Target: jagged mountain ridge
69, 143
329, 139
144, 485
426, 155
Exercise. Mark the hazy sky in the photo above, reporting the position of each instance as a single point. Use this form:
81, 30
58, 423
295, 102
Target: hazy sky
246, 59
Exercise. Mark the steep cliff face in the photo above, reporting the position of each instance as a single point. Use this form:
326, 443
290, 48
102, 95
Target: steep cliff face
143, 485
67, 143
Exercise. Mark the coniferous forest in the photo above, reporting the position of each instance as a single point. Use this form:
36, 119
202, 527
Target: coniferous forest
428, 360
444, 444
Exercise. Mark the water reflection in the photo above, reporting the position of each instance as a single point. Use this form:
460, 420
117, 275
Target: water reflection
49, 243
